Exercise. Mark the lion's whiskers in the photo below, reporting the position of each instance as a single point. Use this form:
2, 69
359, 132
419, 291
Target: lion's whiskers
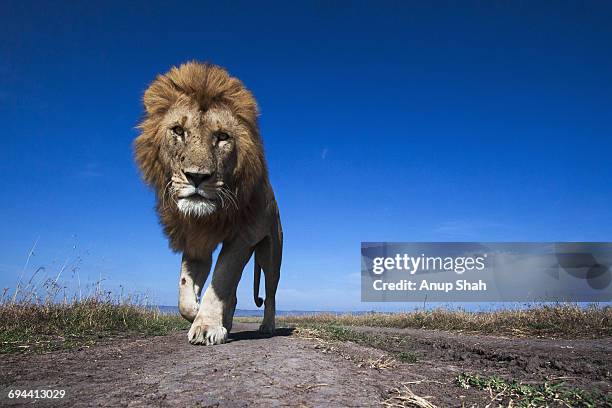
173, 188
163, 197
227, 193
222, 201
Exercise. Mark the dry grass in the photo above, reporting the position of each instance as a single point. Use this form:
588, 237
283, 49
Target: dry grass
36, 327
40, 314
330, 340
558, 321
330, 337
404, 397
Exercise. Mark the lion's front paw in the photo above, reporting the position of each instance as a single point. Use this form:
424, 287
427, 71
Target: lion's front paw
208, 335
267, 328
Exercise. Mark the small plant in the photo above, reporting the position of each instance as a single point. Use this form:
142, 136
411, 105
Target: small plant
406, 357
340, 333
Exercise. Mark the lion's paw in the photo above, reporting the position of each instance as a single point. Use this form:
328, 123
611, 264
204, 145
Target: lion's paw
208, 335
267, 328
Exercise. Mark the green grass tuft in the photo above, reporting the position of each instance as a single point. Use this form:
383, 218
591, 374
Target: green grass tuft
513, 393
406, 357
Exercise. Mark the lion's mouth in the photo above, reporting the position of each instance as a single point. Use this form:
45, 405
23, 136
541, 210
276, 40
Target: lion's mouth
195, 197
196, 204
196, 194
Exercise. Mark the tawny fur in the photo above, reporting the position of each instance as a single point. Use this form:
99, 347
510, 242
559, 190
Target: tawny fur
243, 214
210, 86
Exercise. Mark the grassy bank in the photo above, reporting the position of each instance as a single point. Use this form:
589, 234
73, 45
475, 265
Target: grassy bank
40, 327
559, 321
45, 312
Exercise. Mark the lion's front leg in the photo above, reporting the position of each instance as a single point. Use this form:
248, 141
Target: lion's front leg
214, 319
193, 275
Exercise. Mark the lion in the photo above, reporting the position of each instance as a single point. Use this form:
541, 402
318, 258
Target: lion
200, 149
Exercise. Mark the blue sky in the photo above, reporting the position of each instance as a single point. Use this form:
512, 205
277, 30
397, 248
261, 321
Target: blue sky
382, 121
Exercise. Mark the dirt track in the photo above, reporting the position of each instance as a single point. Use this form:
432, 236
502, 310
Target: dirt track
291, 371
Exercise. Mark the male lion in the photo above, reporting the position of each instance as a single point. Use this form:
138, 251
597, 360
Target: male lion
201, 151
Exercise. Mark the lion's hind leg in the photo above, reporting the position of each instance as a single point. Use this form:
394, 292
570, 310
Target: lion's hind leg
268, 254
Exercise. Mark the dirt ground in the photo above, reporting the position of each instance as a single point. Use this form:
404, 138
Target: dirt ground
296, 371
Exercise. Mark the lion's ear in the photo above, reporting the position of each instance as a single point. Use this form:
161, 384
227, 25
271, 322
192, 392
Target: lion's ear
160, 95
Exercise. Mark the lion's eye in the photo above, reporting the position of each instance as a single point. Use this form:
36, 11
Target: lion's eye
178, 130
222, 136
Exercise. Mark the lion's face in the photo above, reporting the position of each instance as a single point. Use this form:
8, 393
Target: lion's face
200, 155
200, 146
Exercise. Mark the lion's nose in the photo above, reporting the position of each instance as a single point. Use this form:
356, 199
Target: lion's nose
197, 178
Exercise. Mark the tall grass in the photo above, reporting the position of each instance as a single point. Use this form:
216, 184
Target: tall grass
41, 313
562, 320
40, 327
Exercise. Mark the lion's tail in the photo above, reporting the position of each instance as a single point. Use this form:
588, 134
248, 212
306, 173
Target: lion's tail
257, 278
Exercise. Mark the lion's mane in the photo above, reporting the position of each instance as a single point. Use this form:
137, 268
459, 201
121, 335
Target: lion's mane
211, 86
